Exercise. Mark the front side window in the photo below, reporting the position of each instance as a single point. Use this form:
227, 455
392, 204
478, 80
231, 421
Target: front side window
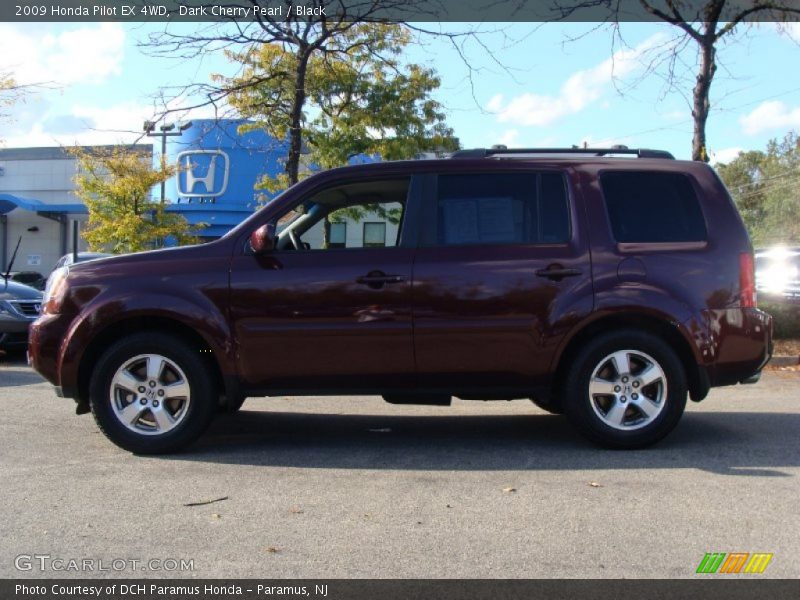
652, 207
364, 214
502, 208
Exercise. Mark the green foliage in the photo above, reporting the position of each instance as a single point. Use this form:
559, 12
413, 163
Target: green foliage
357, 213
115, 185
766, 188
786, 318
355, 98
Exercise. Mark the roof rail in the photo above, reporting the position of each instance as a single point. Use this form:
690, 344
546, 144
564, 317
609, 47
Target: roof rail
495, 151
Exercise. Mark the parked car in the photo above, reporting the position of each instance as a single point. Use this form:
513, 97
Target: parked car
778, 274
19, 306
605, 287
69, 259
32, 279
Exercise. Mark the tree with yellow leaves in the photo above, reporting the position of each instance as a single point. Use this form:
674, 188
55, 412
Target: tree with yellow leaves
115, 184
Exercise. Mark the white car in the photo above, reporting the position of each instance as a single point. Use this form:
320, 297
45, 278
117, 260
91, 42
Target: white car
778, 273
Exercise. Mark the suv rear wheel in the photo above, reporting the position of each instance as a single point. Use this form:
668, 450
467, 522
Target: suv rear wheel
152, 394
626, 389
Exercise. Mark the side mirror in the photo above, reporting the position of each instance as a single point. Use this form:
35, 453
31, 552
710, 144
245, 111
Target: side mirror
262, 240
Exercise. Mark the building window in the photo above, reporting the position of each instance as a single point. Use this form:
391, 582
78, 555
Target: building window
374, 235
338, 235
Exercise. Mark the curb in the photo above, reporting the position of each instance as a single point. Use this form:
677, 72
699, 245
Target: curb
784, 361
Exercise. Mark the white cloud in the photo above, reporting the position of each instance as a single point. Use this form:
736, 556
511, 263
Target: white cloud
508, 138
579, 91
677, 115
87, 54
772, 114
725, 155
590, 141
495, 103
127, 116
79, 124
87, 125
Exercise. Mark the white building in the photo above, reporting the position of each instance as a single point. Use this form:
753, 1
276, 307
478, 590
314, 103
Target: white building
38, 203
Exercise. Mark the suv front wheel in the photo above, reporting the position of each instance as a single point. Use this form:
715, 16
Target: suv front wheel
151, 393
625, 389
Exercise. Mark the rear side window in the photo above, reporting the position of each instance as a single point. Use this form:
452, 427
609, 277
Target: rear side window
502, 208
652, 207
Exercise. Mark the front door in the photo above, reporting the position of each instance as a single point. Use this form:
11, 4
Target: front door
330, 307
499, 280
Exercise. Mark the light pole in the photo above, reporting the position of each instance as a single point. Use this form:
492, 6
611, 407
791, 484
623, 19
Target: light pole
164, 131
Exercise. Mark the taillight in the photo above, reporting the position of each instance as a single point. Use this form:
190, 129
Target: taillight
747, 280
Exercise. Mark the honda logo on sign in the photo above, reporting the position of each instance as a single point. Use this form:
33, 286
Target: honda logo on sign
203, 173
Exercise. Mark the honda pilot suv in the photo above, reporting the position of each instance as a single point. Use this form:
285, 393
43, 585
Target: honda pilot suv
607, 285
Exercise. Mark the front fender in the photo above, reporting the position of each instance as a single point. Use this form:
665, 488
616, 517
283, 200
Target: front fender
101, 316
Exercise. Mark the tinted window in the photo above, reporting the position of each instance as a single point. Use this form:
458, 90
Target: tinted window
502, 208
653, 207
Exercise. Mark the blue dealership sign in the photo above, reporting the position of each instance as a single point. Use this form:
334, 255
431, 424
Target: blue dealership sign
218, 170
203, 173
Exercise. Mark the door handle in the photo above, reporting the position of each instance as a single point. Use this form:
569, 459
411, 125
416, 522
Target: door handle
377, 279
557, 272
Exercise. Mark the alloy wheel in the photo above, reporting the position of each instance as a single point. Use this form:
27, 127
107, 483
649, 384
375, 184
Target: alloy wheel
628, 390
150, 394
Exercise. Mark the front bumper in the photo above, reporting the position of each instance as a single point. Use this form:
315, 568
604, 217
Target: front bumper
45, 337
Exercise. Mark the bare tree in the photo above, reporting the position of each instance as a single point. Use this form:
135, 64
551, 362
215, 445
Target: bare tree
11, 91
704, 23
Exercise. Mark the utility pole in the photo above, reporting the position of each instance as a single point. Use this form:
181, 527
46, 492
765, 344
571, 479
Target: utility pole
164, 131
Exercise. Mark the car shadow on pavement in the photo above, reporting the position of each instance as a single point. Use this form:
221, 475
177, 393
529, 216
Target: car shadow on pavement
730, 443
14, 377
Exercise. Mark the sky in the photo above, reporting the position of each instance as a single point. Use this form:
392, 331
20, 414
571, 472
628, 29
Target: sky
523, 85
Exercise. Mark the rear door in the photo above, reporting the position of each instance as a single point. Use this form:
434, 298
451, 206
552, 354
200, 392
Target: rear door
502, 274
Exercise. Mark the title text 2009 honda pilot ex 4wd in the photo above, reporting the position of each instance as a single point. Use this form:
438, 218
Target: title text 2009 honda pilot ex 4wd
605, 287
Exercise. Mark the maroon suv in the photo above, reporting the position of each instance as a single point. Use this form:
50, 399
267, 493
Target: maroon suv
604, 287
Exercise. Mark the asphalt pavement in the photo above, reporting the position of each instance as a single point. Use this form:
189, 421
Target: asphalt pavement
354, 487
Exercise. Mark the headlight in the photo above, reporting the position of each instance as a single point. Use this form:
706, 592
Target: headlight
55, 290
778, 277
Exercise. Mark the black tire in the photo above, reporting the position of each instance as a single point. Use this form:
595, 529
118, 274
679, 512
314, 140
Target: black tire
231, 406
586, 412
552, 406
193, 422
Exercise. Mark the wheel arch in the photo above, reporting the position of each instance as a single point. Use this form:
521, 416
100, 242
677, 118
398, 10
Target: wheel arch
118, 330
663, 327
